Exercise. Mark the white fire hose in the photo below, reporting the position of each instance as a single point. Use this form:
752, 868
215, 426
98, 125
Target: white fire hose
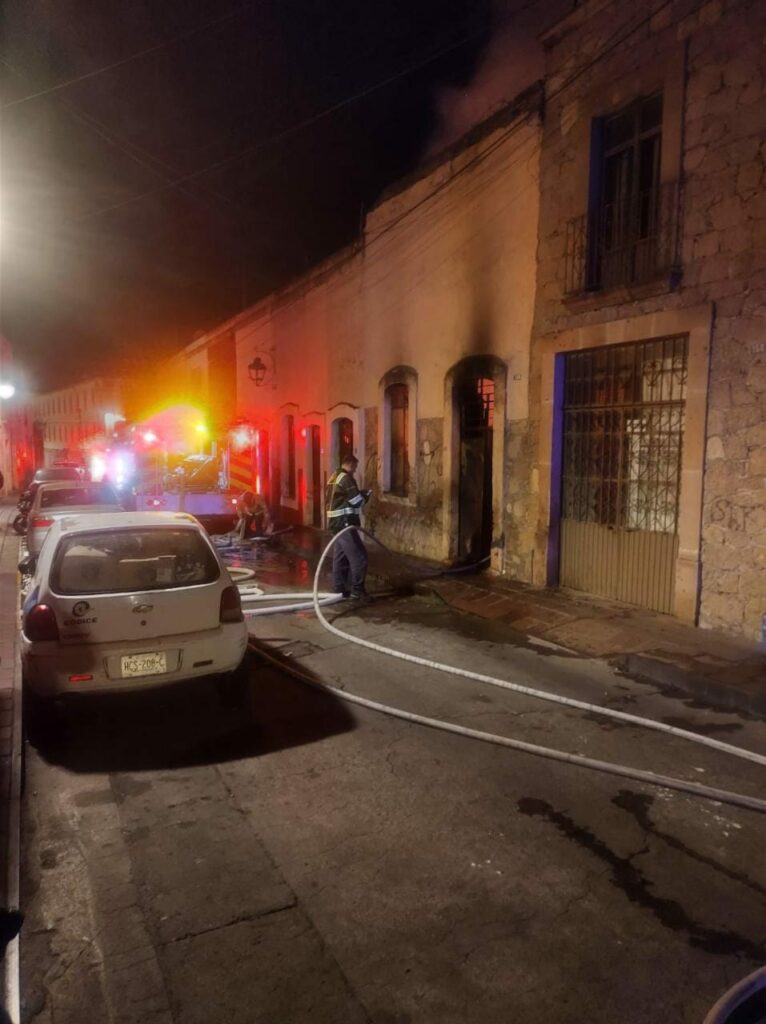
321, 599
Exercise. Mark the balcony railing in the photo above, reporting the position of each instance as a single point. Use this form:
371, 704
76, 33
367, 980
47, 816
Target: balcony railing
623, 244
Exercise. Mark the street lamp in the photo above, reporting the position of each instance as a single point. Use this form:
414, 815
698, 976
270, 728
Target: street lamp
256, 371
7, 390
262, 368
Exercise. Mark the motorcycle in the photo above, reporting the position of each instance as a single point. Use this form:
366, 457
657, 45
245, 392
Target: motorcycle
20, 520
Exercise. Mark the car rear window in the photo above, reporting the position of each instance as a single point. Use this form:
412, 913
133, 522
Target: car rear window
57, 473
68, 497
123, 561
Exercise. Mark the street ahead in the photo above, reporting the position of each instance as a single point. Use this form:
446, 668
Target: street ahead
305, 861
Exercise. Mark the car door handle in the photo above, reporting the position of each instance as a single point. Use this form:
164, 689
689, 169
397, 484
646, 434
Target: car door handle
141, 609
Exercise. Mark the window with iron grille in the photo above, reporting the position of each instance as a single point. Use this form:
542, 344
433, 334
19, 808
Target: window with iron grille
629, 234
397, 399
477, 406
623, 434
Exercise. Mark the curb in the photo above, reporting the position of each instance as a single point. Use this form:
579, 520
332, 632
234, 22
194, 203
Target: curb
661, 673
665, 673
10, 962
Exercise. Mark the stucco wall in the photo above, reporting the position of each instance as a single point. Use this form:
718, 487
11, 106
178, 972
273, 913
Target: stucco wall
446, 271
710, 62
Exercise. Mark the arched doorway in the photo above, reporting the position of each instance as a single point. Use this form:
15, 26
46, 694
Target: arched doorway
474, 397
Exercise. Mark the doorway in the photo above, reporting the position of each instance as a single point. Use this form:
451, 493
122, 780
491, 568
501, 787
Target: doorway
262, 464
313, 508
475, 410
623, 414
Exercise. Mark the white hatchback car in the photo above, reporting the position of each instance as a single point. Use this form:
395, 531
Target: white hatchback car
61, 498
128, 600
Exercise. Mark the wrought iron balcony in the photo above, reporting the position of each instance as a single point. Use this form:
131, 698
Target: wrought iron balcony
623, 244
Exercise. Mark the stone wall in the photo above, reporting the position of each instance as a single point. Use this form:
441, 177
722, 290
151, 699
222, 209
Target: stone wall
710, 62
414, 525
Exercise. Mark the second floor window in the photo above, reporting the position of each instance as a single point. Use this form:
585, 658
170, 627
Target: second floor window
629, 206
628, 236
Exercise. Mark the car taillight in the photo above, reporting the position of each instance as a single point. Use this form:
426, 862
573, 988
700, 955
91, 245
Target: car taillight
231, 606
38, 524
40, 623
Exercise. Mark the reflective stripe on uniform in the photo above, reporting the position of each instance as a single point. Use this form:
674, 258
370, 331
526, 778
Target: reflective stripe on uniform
345, 511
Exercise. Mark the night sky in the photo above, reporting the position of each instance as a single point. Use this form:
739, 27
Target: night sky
104, 263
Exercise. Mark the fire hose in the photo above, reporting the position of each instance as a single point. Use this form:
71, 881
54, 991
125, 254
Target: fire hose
319, 600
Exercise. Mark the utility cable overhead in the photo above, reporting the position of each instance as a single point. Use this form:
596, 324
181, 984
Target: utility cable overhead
155, 48
299, 126
132, 150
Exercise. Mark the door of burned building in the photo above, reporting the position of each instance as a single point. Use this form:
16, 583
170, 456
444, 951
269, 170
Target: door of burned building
475, 400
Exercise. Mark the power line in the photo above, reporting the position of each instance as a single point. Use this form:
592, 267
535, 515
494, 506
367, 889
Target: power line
135, 152
125, 60
299, 126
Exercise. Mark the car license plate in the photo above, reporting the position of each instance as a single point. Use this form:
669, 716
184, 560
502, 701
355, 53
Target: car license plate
152, 664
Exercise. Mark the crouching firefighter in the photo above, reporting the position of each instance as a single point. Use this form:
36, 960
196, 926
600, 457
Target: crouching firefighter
344, 504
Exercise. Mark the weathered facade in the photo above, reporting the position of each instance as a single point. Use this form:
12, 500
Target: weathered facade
412, 350
549, 346
651, 475
58, 423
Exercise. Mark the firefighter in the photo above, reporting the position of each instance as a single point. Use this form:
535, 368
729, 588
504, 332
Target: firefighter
344, 504
254, 518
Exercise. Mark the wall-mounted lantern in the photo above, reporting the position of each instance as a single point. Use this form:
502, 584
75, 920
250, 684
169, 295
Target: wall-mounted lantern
256, 371
261, 369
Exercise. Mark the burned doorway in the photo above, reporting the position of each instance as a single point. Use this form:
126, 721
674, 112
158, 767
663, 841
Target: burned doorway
474, 397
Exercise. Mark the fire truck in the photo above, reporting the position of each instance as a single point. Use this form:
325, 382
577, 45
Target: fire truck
155, 470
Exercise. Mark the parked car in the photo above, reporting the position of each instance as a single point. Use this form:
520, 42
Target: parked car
61, 471
65, 498
128, 601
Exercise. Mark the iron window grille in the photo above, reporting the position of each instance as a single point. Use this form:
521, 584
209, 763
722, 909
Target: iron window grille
623, 434
477, 406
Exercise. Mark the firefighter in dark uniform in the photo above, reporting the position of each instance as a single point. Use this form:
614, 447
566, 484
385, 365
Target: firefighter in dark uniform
344, 504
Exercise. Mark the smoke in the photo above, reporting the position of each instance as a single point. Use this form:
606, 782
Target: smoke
512, 61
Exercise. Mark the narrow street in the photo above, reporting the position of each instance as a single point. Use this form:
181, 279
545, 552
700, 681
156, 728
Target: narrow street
302, 860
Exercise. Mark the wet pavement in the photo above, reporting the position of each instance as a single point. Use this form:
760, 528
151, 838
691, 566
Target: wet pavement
298, 859
717, 668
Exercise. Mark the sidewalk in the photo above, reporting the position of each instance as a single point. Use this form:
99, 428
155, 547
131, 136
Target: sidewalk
717, 668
